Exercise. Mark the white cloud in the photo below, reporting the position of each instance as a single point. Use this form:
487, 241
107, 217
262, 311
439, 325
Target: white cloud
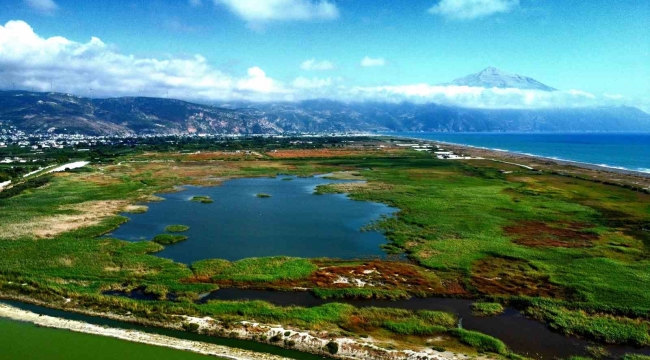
31, 61
313, 83
478, 97
44, 6
281, 10
613, 96
314, 65
370, 62
472, 9
195, 3
257, 81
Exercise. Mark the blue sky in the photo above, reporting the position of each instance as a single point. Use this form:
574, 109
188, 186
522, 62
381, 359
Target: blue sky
598, 47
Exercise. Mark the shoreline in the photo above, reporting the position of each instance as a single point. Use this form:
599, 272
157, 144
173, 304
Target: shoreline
309, 342
590, 166
16, 314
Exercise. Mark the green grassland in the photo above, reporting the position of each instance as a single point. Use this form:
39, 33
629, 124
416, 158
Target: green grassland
464, 221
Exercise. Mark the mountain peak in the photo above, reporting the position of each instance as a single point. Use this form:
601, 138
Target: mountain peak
491, 77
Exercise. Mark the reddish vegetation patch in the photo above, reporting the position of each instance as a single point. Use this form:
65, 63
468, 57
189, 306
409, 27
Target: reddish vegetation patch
539, 234
318, 153
375, 274
498, 276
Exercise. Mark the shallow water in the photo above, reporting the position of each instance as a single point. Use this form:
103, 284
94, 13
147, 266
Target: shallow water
522, 335
292, 222
234, 343
25, 341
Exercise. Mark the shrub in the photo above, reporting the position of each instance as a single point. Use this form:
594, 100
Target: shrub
635, 357
191, 327
275, 338
289, 343
29, 184
332, 347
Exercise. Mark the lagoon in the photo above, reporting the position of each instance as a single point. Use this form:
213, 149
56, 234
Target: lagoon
292, 221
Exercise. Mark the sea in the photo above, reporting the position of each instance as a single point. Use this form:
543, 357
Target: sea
626, 151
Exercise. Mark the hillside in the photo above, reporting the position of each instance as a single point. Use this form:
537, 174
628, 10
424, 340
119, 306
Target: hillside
34, 113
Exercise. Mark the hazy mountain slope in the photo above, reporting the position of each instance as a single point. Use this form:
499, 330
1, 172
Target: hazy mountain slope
61, 113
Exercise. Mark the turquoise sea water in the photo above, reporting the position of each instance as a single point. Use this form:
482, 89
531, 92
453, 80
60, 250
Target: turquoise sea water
630, 151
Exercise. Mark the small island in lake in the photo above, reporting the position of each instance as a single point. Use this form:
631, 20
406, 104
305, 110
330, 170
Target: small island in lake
202, 199
168, 239
176, 228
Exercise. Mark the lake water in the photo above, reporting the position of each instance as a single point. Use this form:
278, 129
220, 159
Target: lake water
238, 224
630, 151
25, 341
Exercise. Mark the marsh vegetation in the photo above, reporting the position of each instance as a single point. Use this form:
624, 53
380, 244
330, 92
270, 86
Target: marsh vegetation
567, 251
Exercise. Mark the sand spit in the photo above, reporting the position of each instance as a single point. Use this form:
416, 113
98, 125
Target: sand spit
14, 313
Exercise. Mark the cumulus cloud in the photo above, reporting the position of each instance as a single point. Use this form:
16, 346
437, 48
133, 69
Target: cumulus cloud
371, 62
314, 65
257, 81
472, 9
31, 61
44, 6
281, 10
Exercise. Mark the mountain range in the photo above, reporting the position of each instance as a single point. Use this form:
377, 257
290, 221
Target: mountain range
37, 112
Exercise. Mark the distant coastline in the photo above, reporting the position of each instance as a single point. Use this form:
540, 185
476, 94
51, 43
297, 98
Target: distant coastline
644, 172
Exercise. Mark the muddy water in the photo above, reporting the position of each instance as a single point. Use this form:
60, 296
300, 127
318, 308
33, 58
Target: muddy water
238, 224
524, 336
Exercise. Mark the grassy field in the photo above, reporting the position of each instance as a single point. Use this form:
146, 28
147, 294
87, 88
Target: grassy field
570, 252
